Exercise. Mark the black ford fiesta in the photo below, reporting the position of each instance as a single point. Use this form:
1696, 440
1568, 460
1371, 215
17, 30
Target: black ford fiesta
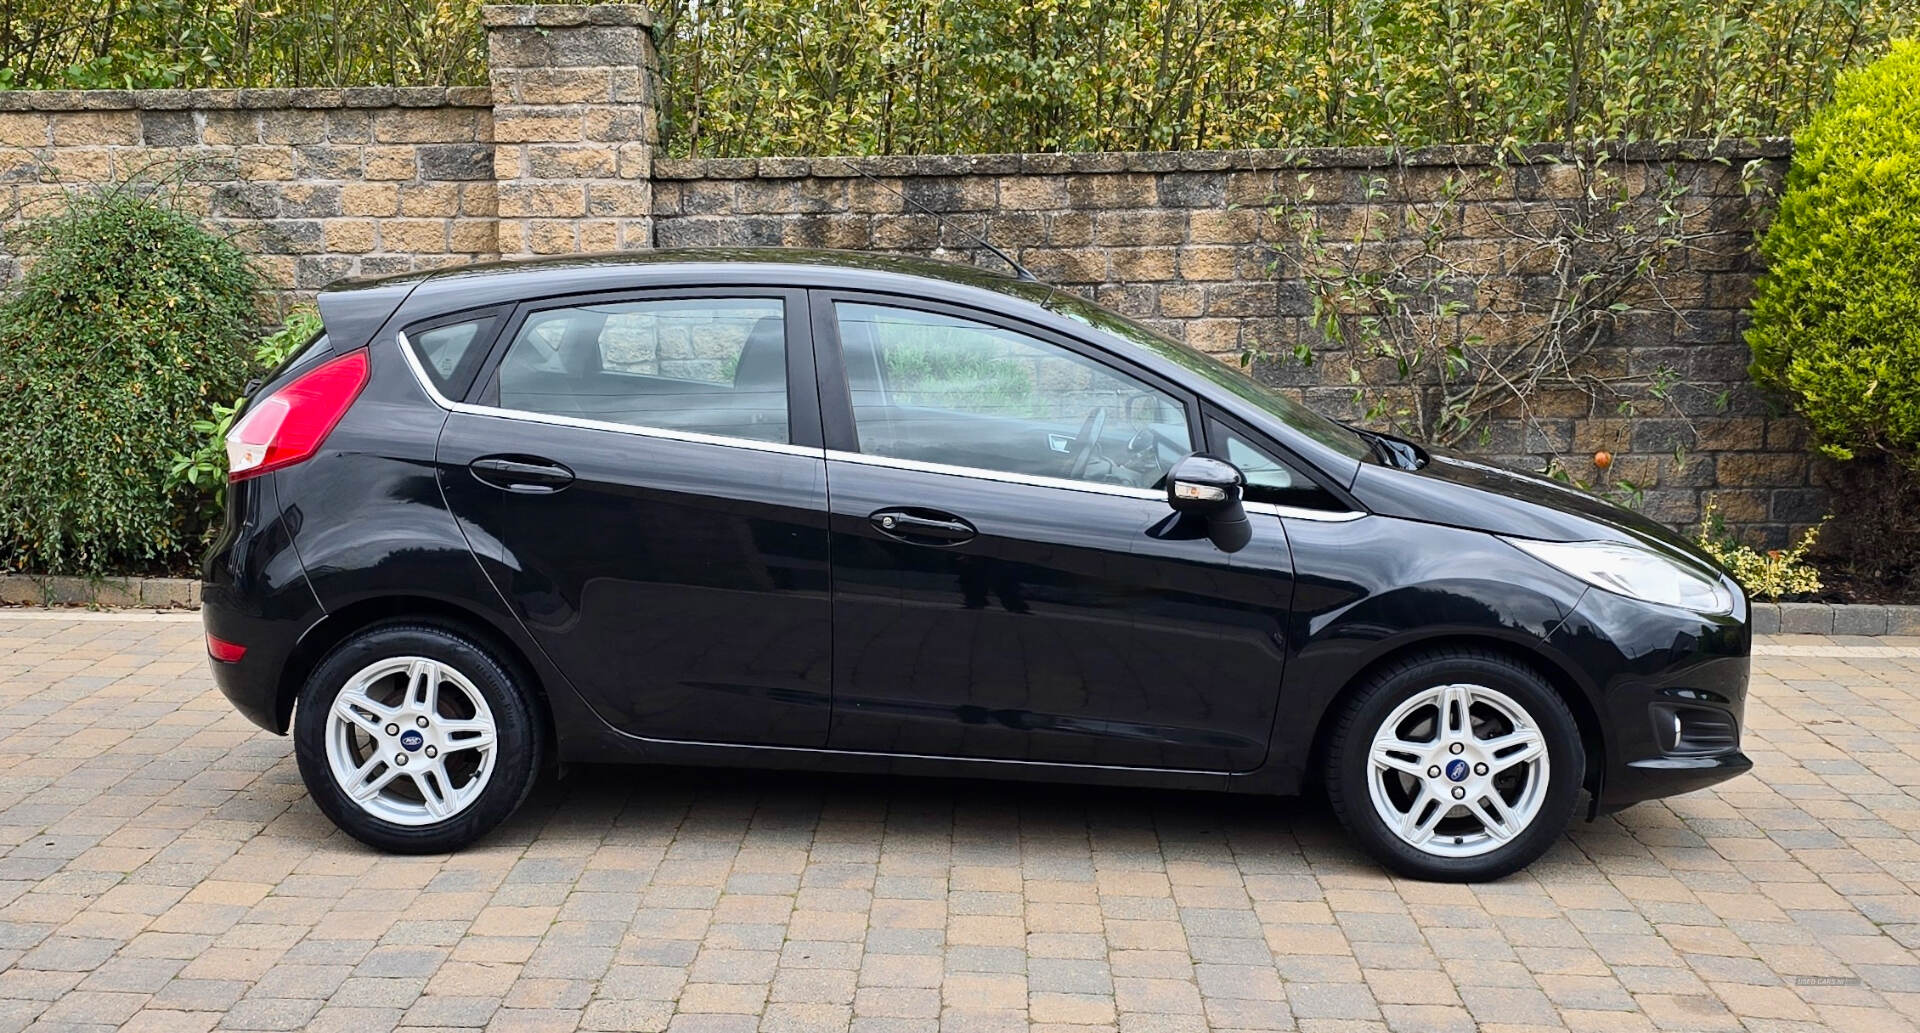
825, 510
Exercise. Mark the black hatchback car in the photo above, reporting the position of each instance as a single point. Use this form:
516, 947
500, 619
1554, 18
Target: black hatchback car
827, 510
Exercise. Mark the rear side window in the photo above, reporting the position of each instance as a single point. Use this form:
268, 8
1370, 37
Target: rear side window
700, 365
452, 352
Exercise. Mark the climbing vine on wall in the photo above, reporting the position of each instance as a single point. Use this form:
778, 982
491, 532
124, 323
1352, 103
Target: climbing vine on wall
1455, 305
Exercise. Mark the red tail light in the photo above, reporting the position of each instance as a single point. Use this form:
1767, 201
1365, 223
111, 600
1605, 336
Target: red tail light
290, 424
225, 652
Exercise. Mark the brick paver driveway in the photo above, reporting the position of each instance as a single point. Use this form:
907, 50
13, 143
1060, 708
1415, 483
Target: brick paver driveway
163, 870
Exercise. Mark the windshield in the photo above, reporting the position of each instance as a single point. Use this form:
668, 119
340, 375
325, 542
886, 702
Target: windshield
1334, 436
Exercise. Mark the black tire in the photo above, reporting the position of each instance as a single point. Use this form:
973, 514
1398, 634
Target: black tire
1349, 767
518, 741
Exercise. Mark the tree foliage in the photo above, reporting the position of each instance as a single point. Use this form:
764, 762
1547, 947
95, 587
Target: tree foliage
158, 44
759, 77
931, 76
131, 319
1836, 319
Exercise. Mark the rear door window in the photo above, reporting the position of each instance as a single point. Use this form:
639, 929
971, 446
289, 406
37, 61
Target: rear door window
697, 365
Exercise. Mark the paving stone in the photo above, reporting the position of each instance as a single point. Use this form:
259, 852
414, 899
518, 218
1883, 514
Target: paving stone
1806, 619
1860, 619
161, 869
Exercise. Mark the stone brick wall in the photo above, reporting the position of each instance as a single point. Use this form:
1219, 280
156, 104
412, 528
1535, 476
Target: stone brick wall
556, 156
1184, 242
320, 184
553, 157
574, 123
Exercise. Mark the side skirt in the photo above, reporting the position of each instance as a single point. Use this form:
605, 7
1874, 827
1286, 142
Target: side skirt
788, 758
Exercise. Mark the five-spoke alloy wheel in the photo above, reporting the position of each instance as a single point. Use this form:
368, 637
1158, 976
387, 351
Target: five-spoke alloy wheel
1456, 765
413, 738
1458, 770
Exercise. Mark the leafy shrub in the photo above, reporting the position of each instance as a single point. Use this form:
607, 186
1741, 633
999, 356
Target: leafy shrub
1770, 575
131, 318
204, 468
1874, 538
1836, 321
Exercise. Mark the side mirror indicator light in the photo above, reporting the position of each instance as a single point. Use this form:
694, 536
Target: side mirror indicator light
1199, 492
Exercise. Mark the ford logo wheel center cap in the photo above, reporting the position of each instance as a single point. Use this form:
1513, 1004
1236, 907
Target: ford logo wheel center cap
412, 740
1456, 768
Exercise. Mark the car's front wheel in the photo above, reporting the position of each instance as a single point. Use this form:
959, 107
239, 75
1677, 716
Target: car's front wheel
415, 739
1457, 765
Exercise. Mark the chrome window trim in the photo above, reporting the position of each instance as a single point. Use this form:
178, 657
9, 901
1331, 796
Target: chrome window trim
1066, 484
1324, 516
982, 474
420, 377
691, 437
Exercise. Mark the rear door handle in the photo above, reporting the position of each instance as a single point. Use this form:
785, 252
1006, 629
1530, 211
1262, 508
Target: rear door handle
528, 475
922, 526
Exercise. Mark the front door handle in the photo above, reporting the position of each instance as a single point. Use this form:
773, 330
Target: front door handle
922, 526
528, 475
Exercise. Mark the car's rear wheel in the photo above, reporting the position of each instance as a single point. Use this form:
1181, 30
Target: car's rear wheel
415, 739
1456, 765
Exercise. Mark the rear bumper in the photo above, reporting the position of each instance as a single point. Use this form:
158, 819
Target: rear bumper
1651, 661
251, 683
254, 593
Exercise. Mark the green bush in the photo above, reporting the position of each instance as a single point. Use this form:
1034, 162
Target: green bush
1772, 575
203, 469
1836, 321
131, 320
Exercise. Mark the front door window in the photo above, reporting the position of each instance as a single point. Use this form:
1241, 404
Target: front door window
938, 388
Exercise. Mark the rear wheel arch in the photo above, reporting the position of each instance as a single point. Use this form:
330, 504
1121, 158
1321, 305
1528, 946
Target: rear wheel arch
1563, 681
342, 624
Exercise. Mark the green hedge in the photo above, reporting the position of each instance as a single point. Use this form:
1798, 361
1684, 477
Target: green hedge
1836, 321
131, 321
760, 77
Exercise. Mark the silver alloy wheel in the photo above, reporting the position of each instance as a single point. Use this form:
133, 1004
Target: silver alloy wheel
411, 741
1458, 770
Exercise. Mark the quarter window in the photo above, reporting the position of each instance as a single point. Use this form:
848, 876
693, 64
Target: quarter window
703, 365
939, 388
1270, 479
451, 352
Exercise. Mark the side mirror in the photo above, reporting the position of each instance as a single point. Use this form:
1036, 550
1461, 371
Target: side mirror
1210, 489
1204, 486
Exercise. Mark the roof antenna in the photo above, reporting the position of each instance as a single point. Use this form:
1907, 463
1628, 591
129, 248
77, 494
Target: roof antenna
1019, 271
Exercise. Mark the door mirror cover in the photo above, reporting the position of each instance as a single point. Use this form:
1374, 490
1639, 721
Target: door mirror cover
1205, 486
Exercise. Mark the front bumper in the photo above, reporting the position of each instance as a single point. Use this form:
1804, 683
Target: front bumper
1646, 662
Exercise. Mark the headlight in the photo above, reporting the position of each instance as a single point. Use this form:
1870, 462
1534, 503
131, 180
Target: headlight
1634, 572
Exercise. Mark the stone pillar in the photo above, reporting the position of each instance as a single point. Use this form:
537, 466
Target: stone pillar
574, 126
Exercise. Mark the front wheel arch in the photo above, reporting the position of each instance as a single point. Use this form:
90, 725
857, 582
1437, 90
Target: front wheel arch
1592, 734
